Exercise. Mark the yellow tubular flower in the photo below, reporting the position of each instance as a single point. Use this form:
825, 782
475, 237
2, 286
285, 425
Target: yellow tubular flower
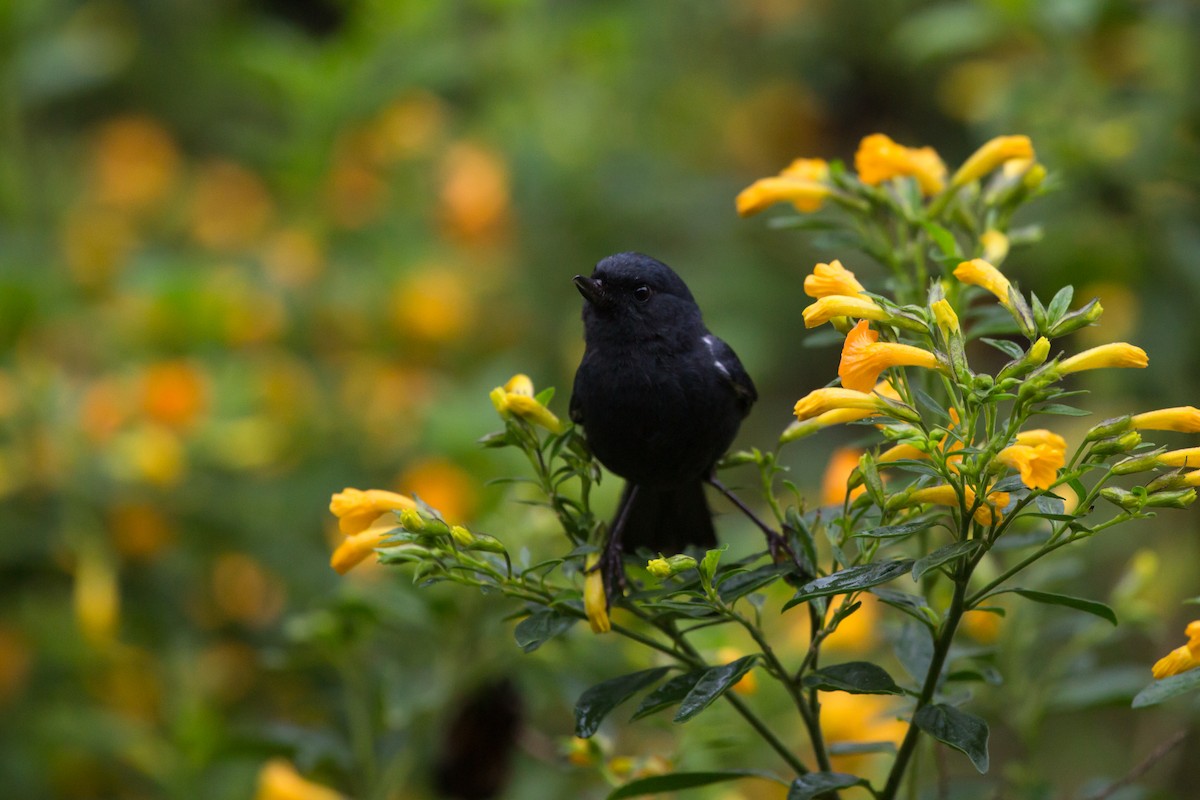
995, 245
864, 358
1038, 464
802, 183
1181, 659
836, 305
1187, 457
798, 429
356, 509
1115, 354
988, 512
820, 401
900, 452
978, 272
595, 602
1041, 436
879, 159
1183, 419
944, 316
516, 398
993, 153
831, 279
278, 780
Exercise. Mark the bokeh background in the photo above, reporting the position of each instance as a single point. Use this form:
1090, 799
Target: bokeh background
254, 251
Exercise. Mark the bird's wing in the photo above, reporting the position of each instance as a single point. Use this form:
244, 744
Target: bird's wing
731, 369
575, 409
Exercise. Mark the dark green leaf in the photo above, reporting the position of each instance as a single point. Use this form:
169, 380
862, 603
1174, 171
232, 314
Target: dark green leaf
962, 731
858, 748
1167, 688
815, 784
1103, 687
670, 693
744, 583
1094, 607
1061, 410
851, 579
595, 703
711, 685
1010, 349
898, 531
1050, 504
855, 677
656, 784
538, 628
912, 604
944, 555
914, 650
1012, 483
1060, 303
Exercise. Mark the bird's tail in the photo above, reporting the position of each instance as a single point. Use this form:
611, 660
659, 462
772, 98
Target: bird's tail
667, 520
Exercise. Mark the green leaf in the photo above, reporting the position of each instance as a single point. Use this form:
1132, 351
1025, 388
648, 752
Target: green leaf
944, 240
713, 683
815, 784
1167, 688
944, 555
1061, 410
539, 628
962, 731
854, 677
683, 780
858, 748
1060, 303
1094, 607
708, 565
744, 583
595, 703
1010, 349
850, 579
898, 531
670, 693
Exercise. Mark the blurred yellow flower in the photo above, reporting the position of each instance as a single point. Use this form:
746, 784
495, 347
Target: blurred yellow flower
1181, 659
849, 718
474, 193
356, 509
595, 602
103, 409
988, 512
135, 163
356, 547
820, 401
293, 256
96, 243
905, 452
406, 127
16, 661
1115, 354
279, 780
97, 597
442, 484
434, 304
245, 591
139, 531
879, 159
1183, 419
861, 631
982, 626
978, 272
864, 357
516, 398
230, 206
1037, 456
991, 155
356, 194
831, 279
1187, 457
801, 183
835, 305
842, 463
995, 246
174, 393
150, 452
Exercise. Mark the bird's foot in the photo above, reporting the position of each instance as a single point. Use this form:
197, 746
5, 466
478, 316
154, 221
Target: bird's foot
612, 567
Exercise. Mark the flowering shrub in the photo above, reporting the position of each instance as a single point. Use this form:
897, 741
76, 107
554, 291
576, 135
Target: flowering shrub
964, 469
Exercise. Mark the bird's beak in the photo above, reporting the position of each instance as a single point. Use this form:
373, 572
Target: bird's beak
592, 290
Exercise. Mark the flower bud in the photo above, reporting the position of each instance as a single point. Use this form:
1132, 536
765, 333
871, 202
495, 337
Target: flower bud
1034, 357
1121, 497
486, 543
461, 536
1117, 445
1177, 498
666, 567
1136, 464
1069, 323
1110, 427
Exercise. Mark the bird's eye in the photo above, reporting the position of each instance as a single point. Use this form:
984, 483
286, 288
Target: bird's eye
642, 293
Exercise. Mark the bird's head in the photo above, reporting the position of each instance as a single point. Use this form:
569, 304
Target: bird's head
636, 292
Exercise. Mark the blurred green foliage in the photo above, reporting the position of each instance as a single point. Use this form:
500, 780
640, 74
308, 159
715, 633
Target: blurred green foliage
254, 251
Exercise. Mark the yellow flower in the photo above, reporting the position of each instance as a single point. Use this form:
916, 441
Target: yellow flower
864, 357
836, 305
356, 509
802, 183
278, 780
841, 464
516, 398
819, 401
356, 547
978, 272
988, 512
1037, 455
595, 602
1187, 457
1184, 419
995, 245
944, 316
97, 597
900, 452
879, 159
993, 153
799, 429
1182, 658
1115, 354
831, 279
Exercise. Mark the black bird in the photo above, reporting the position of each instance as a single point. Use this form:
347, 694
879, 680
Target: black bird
660, 399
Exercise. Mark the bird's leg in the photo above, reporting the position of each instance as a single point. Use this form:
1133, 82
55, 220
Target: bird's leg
611, 563
776, 542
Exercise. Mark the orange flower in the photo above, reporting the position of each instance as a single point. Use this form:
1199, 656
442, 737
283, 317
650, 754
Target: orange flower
879, 159
174, 393
864, 357
1182, 658
842, 463
831, 279
278, 780
356, 509
801, 183
357, 547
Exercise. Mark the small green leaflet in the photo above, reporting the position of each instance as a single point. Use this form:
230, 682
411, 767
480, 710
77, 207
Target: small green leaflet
711, 685
815, 784
595, 703
670, 693
1167, 688
851, 579
1094, 607
536, 629
854, 677
944, 555
962, 731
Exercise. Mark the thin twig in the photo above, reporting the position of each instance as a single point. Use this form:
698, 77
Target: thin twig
1156, 755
